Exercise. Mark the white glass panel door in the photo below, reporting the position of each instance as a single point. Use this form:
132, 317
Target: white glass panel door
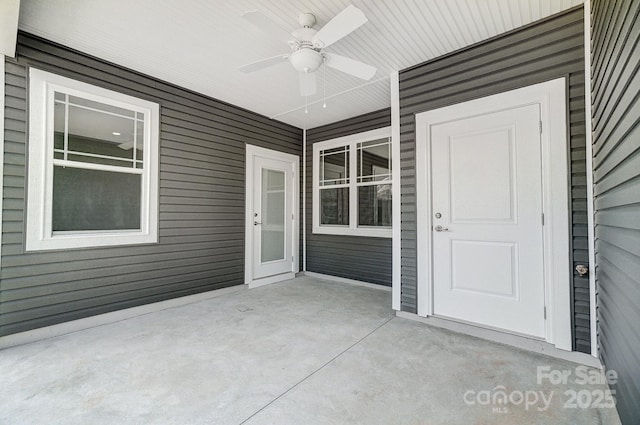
272, 224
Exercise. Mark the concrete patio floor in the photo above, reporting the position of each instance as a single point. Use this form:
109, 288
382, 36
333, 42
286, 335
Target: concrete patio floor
305, 351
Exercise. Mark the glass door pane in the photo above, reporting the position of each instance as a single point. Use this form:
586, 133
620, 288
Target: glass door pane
273, 215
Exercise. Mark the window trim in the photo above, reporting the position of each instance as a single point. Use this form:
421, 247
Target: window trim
39, 234
352, 229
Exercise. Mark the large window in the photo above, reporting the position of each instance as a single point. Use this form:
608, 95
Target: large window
352, 185
93, 177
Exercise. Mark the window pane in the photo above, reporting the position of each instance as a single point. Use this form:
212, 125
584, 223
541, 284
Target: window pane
334, 166
273, 215
374, 205
139, 140
374, 160
334, 206
101, 106
100, 134
58, 125
95, 200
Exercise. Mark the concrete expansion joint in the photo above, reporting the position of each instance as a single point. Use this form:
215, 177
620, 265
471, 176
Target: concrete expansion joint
333, 359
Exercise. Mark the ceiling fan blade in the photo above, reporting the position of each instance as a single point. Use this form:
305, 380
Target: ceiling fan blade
268, 26
340, 26
350, 66
262, 64
307, 83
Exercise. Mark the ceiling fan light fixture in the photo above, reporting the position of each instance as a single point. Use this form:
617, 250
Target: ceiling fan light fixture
307, 46
306, 59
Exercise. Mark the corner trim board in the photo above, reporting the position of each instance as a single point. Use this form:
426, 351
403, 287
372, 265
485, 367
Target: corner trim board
2, 82
589, 166
396, 206
304, 200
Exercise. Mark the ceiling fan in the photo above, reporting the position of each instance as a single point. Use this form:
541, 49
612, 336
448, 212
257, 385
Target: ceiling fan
307, 46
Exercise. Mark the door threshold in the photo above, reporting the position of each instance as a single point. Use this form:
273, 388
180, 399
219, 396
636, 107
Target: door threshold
517, 341
490, 328
271, 279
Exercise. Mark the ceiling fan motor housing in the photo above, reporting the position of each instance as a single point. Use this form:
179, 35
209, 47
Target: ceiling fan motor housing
306, 59
307, 19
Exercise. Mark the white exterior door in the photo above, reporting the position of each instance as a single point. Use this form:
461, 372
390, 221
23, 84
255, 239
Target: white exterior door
271, 216
487, 220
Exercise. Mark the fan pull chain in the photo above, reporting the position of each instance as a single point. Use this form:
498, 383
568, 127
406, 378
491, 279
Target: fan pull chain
306, 94
324, 83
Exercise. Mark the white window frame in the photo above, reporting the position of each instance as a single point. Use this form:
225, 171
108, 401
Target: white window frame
39, 234
352, 229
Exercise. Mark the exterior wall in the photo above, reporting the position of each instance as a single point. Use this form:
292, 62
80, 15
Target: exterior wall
615, 44
201, 235
353, 257
539, 52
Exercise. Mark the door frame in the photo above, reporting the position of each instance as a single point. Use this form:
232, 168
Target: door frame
551, 97
252, 152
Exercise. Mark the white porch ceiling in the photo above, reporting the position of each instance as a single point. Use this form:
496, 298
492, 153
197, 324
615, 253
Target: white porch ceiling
198, 44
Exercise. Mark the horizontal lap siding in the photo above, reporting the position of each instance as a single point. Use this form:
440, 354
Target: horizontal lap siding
542, 51
201, 211
352, 257
616, 147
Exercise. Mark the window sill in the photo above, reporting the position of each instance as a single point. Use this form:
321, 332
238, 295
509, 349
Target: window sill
74, 241
360, 231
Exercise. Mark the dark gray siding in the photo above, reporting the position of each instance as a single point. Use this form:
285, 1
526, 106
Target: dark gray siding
616, 149
353, 257
542, 51
201, 247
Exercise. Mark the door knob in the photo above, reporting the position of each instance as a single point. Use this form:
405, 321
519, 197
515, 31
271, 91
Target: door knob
255, 223
439, 228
